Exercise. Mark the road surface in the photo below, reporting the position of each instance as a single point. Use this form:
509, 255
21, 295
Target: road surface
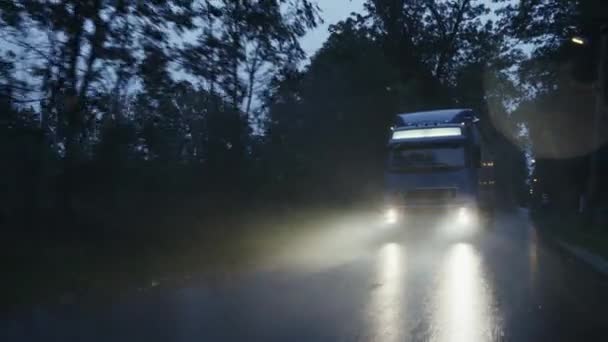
354, 280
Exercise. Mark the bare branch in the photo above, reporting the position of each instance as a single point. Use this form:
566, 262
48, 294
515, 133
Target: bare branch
18, 100
449, 40
16, 87
431, 5
28, 47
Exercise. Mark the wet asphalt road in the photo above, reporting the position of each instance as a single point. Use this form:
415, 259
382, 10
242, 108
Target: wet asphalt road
357, 281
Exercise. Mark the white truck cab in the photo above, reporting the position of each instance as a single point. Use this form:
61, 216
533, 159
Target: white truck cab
437, 162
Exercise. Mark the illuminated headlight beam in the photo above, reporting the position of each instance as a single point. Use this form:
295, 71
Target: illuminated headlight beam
464, 216
391, 216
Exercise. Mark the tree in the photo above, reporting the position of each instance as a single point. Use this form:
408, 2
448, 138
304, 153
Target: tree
240, 42
84, 43
243, 38
558, 76
335, 115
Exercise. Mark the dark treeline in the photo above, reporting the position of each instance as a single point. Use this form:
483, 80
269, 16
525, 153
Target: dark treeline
110, 108
564, 94
127, 104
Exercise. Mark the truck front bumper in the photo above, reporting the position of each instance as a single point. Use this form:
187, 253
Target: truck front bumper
464, 213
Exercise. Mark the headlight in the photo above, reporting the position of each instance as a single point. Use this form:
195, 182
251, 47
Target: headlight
464, 216
391, 216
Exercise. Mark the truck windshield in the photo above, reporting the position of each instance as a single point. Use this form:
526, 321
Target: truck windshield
419, 158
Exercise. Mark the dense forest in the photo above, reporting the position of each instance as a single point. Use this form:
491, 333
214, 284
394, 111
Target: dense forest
111, 108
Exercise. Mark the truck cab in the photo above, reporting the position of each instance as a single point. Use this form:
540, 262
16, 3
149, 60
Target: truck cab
437, 163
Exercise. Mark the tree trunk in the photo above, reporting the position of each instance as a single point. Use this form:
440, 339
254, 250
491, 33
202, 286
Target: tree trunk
67, 185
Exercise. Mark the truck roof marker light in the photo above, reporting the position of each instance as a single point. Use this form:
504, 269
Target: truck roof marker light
436, 132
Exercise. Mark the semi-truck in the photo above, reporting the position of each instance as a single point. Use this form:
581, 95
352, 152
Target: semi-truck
438, 162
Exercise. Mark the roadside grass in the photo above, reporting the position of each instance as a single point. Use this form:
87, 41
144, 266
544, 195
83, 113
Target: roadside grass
137, 252
575, 230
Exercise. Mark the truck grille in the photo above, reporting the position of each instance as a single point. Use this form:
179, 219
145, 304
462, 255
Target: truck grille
430, 195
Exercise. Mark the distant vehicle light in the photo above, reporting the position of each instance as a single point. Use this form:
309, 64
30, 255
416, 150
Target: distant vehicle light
435, 132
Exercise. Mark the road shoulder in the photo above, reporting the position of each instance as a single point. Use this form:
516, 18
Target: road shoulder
573, 236
597, 262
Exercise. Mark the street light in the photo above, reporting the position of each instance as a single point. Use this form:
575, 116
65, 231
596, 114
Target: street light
579, 40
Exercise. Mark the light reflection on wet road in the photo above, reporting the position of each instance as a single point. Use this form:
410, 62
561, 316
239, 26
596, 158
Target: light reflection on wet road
463, 301
355, 282
387, 299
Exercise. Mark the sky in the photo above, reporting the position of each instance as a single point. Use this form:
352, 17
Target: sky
332, 12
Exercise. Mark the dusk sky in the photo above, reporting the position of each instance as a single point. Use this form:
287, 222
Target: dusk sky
332, 12
335, 10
